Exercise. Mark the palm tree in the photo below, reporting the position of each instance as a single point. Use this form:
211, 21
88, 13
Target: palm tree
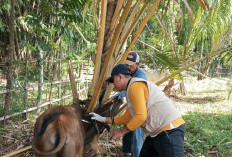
114, 30
119, 19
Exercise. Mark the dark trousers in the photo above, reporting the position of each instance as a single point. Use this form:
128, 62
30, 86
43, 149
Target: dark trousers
133, 142
126, 142
167, 144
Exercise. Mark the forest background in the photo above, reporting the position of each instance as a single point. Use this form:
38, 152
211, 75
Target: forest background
46, 47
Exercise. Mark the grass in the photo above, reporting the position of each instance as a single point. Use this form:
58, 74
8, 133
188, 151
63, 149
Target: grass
208, 134
208, 116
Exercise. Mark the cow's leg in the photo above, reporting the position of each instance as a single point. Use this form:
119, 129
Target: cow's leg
69, 149
49, 144
80, 152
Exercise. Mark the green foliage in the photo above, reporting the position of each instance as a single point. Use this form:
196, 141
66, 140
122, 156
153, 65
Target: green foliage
73, 5
92, 7
208, 33
226, 59
2, 26
3, 130
73, 57
229, 85
206, 132
1, 110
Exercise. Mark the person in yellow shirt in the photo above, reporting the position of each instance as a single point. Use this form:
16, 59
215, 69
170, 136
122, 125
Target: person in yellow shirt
132, 142
148, 107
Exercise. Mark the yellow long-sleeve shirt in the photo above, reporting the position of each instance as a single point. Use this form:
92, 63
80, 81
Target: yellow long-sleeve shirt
138, 94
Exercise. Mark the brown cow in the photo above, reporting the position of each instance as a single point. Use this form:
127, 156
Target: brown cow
59, 133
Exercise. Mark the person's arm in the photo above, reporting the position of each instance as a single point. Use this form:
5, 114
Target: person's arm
138, 94
118, 120
123, 119
119, 95
119, 133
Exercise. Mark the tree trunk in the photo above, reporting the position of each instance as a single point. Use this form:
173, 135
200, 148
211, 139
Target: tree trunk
112, 37
111, 5
9, 76
201, 63
25, 85
99, 47
60, 72
229, 95
40, 81
93, 132
205, 70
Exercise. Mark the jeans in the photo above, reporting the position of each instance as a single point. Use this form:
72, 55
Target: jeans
168, 143
133, 142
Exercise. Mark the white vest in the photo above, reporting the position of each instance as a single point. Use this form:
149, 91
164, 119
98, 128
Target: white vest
160, 109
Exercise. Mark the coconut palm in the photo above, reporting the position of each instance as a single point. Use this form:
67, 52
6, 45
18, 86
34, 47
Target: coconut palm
115, 35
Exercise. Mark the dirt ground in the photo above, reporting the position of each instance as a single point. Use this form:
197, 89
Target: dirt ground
17, 136
20, 135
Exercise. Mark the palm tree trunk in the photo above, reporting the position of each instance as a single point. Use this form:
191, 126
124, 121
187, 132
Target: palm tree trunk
105, 68
200, 64
99, 47
205, 71
112, 17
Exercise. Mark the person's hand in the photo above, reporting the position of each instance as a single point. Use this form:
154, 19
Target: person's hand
117, 134
108, 101
97, 117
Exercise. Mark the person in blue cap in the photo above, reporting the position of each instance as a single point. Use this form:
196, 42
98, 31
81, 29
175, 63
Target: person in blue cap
149, 108
132, 142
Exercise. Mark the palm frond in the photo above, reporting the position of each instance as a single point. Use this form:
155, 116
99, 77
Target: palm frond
204, 4
190, 12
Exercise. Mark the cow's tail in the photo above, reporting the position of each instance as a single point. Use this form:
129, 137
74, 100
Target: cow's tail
62, 140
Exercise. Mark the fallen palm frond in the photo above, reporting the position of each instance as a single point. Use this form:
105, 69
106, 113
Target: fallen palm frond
18, 151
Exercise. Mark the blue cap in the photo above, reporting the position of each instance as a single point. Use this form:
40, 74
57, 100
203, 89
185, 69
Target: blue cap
132, 58
118, 69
